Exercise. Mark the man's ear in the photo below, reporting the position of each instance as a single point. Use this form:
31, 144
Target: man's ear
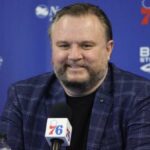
109, 47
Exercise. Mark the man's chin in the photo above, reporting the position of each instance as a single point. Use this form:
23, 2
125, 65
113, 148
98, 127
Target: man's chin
77, 79
75, 84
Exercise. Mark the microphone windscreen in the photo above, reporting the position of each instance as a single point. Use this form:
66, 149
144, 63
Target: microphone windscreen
61, 110
58, 127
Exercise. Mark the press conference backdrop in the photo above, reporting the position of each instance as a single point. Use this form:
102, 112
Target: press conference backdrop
24, 44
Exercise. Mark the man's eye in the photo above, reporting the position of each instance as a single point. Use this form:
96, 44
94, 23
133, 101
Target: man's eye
86, 46
64, 46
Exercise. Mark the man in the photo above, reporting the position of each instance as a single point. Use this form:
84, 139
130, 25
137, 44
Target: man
110, 107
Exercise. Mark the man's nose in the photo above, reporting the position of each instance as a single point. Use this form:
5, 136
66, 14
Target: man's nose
75, 53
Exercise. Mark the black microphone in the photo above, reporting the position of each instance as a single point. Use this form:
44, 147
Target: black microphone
58, 128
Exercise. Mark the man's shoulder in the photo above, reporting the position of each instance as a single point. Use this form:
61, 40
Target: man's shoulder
127, 82
121, 74
34, 87
38, 81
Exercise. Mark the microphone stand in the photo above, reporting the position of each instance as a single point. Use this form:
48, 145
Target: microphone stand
56, 144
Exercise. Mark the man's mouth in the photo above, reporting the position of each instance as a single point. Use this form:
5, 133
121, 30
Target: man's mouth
74, 66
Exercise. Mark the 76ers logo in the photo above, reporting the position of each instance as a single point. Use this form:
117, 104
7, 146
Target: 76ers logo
59, 130
55, 128
145, 10
68, 135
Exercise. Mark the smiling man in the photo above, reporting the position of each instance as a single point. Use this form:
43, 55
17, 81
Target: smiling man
80, 53
110, 107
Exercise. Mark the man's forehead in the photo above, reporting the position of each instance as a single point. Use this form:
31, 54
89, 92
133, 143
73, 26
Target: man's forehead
76, 17
81, 28
74, 41
76, 22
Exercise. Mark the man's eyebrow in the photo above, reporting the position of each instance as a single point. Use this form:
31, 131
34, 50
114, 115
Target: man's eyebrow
60, 42
87, 41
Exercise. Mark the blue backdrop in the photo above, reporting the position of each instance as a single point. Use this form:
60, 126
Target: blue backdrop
24, 45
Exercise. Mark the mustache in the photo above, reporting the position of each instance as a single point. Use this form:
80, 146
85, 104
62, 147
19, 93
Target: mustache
75, 64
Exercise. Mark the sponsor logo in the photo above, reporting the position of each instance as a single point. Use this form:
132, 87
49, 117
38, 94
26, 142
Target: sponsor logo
42, 11
145, 59
1, 61
145, 11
